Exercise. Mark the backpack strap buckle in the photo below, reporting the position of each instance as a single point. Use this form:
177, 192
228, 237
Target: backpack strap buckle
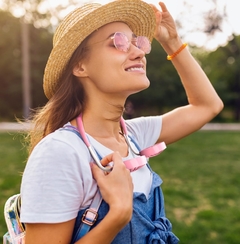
90, 217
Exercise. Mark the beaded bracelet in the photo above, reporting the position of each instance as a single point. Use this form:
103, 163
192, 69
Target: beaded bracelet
170, 57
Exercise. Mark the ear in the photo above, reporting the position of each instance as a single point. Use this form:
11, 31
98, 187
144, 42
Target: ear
80, 70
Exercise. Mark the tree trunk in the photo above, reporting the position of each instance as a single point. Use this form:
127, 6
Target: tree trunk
25, 70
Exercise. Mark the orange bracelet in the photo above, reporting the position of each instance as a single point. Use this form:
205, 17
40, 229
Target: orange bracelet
170, 57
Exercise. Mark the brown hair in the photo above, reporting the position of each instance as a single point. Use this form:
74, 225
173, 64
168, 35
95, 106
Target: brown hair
65, 105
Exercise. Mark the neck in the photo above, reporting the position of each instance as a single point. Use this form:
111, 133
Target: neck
105, 124
102, 121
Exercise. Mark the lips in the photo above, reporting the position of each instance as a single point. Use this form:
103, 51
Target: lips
137, 67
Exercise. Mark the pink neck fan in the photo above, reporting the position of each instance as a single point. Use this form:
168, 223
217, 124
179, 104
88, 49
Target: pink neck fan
131, 164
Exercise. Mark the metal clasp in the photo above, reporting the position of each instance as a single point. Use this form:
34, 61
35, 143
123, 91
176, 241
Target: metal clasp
89, 217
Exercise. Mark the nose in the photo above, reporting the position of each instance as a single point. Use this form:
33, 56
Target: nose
135, 52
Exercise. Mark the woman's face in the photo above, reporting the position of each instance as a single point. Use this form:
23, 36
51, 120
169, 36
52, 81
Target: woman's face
111, 71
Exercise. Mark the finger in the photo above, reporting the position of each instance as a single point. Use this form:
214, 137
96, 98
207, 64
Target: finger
158, 14
163, 7
107, 159
113, 157
158, 17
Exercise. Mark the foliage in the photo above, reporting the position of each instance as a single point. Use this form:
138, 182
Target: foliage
10, 65
40, 13
222, 67
30, 10
164, 93
40, 48
200, 183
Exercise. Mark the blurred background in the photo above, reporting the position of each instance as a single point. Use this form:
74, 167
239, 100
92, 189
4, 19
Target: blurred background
211, 28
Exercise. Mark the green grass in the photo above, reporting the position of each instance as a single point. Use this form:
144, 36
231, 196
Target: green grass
201, 175
12, 162
201, 184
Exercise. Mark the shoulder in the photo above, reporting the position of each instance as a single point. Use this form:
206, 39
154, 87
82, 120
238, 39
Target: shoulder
146, 130
59, 150
144, 123
61, 141
62, 137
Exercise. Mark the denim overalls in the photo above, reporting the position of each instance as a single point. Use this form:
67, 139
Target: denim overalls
148, 224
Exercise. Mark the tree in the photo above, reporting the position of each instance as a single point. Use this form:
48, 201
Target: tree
10, 65
222, 67
38, 13
165, 91
27, 10
10, 61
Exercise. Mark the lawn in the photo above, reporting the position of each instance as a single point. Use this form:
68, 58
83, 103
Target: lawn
201, 175
201, 184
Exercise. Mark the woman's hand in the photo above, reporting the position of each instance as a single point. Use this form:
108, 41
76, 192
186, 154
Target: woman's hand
166, 32
116, 187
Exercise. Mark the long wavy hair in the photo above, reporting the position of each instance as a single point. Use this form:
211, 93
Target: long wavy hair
65, 105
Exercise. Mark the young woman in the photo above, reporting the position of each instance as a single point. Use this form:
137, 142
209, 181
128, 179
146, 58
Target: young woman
97, 61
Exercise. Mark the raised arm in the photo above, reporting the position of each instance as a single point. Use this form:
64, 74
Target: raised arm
204, 103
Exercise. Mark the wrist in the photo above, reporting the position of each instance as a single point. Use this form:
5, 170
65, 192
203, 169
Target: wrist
172, 56
172, 46
121, 214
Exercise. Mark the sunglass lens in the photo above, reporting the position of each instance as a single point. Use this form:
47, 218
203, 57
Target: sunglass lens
121, 42
144, 44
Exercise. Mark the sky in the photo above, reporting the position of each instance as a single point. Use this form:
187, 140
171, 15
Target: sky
191, 18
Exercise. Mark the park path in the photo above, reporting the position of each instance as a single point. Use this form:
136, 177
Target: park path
11, 126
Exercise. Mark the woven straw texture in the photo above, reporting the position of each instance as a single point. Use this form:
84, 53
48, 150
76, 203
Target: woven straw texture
80, 23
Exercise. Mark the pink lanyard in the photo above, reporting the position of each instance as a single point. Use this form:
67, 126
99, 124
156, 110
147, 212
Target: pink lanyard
131, 164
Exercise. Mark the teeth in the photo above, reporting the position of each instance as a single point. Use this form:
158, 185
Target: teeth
134, 68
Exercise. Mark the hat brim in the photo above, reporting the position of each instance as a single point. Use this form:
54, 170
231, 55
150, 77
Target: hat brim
138, 15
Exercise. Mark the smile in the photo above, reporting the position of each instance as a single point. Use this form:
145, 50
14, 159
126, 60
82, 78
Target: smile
136, 67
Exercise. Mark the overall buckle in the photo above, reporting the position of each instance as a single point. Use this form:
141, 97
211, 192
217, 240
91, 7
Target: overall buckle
89, 217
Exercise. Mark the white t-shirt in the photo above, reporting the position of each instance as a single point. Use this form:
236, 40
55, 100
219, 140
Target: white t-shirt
57, 181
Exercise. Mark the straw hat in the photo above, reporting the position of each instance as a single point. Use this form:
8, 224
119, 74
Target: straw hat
80, 23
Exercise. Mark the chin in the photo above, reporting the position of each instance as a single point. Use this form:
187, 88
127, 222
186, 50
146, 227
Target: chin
139, 89
145, 85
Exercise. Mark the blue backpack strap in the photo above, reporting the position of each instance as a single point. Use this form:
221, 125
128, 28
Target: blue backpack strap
91, 214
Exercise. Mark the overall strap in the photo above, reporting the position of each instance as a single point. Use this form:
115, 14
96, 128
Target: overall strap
91, 214
89, 217
134, 142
